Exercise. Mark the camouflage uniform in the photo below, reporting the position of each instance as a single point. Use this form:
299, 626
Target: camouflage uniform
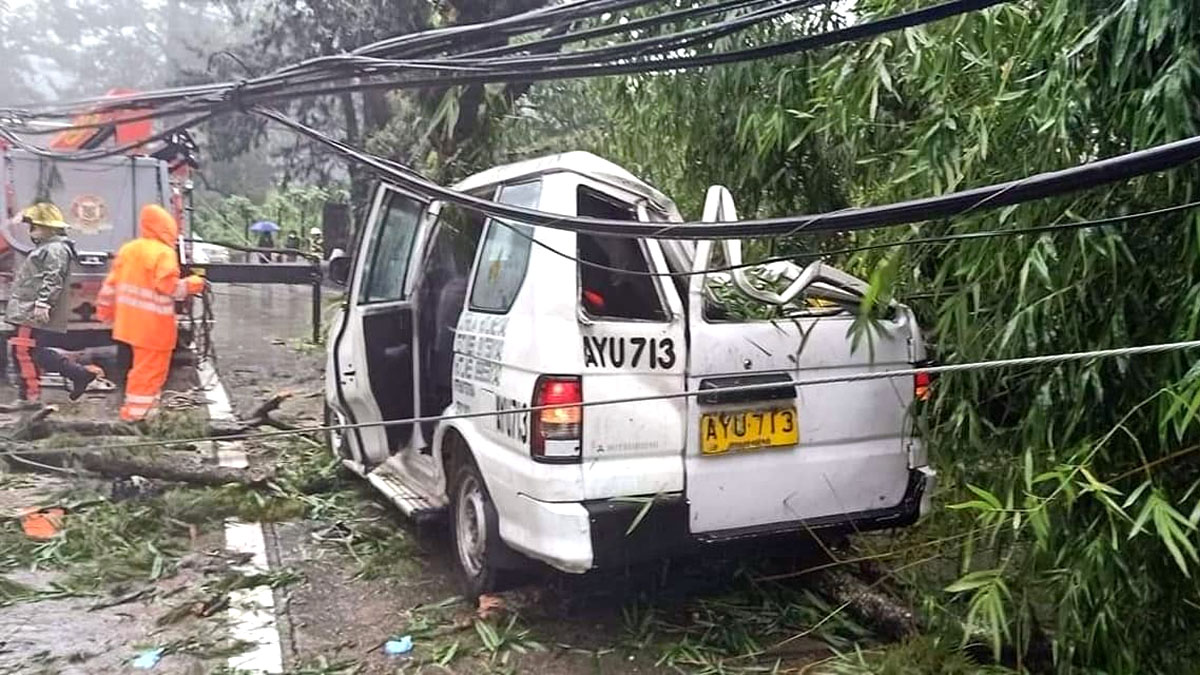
43, 280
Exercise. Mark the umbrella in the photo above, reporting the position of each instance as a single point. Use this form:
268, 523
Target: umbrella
264, 226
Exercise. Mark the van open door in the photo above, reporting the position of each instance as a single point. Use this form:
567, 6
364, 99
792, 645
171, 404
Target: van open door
374, 356
786, 457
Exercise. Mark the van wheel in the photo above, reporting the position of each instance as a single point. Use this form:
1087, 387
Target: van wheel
475, 531
335, 439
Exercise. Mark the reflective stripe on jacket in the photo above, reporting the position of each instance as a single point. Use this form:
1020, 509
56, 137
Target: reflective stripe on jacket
141, 289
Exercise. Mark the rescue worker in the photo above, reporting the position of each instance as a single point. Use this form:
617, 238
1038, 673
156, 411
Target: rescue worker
316, 243
38, 305
138, 297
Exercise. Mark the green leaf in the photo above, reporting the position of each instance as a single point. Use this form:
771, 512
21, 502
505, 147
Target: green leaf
972, 580
986, 496
1011, 95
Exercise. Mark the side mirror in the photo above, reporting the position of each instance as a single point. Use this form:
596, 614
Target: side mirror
338, 267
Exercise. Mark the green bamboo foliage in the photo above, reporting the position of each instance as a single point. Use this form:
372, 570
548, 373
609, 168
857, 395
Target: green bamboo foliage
1073, 490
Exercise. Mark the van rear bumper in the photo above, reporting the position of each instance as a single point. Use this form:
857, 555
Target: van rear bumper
663, 528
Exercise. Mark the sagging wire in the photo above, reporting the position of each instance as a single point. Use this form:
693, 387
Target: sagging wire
669, 43
227, 95
89, 155
374, 56
1015, 362
1031, 188
628, 26
656, 63
813, 255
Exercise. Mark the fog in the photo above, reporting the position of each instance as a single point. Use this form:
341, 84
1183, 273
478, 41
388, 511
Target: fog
62, 49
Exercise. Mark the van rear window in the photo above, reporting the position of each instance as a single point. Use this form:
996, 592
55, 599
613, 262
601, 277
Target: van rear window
606, 292
504, 257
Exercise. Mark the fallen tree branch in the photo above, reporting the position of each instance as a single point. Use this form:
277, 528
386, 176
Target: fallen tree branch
20, 406
46, 428
269, 406
883, 612
120, 464
37, 426
123, 599
24, 428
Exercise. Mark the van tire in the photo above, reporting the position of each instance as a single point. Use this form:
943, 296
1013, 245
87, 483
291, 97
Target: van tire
475, 532
336, 441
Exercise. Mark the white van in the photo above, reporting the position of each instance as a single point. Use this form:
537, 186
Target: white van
448, 313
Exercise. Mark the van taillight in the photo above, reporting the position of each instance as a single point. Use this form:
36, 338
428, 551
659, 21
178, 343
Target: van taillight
922, 386
557, 430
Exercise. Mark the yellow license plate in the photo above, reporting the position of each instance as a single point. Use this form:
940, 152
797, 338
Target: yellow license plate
748, 430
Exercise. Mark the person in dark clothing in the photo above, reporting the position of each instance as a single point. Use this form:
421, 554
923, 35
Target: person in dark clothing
292, 244
38, 308
266, 240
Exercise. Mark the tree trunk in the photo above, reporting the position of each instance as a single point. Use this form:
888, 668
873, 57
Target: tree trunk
881, 611
118, 464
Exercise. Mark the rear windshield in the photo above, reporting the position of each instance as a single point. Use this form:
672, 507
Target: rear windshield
606, 290
723, 301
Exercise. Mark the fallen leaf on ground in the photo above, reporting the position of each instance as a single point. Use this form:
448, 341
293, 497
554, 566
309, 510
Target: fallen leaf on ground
41, 524
489, 605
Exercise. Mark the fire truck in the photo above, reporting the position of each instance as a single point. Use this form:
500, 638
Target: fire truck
100, 199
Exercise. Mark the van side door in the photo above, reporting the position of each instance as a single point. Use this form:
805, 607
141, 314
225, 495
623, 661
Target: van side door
374, 353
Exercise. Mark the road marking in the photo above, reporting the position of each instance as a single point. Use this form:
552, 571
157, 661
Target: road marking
251, 610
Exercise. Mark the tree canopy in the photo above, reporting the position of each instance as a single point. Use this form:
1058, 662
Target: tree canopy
1074, 496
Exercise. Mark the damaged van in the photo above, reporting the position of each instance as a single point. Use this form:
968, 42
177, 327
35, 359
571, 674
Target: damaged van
491, 346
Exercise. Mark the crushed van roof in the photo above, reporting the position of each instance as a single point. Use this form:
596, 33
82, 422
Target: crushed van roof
577, 161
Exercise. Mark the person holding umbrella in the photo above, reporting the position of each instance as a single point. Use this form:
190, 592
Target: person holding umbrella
265, 230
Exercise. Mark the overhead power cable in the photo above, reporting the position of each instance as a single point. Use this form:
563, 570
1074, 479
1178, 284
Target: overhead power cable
1018, 362
653, 44
654, 64
644, 23
382, 52
381, 73
1039, 186
100, 153
510, 26
919, 241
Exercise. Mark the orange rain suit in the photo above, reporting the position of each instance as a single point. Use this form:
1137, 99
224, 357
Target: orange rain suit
139, 297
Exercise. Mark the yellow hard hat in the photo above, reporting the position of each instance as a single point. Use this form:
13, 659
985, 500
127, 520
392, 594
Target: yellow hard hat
44, 214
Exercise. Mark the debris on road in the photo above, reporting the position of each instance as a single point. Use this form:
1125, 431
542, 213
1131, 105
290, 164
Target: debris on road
489, 605
114, 463
148, 659
42, 523
871, 604
117, 464
125, 598
398, 646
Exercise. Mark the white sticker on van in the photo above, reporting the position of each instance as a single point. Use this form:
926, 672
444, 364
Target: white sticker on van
478, 347
613, 351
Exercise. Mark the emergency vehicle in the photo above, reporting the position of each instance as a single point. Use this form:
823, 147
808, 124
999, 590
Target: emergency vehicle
449, 314
100, 199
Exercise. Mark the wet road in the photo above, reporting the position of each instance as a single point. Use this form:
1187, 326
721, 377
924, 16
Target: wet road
262, 342
339, 613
